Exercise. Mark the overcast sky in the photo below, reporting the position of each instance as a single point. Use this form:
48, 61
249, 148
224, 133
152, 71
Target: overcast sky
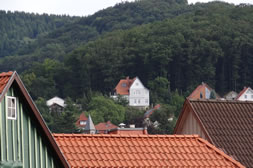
73, 7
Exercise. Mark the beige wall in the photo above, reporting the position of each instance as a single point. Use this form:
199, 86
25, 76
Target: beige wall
191, 126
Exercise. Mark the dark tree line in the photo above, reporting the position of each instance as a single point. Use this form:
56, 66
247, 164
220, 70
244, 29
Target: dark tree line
18, 29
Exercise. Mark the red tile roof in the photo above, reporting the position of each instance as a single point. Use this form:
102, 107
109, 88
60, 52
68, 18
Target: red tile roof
105, 126
4, 78
81, 118
227, 124
85, 150
123, 86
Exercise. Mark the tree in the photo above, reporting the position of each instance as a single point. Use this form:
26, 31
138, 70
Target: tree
165, 119
104, 109
160, 90
134, 116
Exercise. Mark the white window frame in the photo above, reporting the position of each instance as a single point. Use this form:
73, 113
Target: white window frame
11, 108
82, 122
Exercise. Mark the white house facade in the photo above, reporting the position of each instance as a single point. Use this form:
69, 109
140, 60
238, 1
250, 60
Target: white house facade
134, 91
246, 94
138, 94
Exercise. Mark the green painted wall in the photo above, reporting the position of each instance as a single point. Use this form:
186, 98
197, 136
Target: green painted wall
22, 143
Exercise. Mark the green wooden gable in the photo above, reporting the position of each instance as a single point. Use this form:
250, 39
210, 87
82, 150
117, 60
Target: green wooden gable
25, 140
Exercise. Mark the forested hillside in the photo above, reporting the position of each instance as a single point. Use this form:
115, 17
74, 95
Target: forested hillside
120, 17
17, 29
213, 45
171, 46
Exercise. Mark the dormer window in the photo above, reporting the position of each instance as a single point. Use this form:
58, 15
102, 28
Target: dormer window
82, 122
11, 108
123, 85
245, 96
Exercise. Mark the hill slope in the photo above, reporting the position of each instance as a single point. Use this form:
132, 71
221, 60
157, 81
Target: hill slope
211, 44
17, 29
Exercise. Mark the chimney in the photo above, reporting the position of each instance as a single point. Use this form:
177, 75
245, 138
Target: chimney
132, 126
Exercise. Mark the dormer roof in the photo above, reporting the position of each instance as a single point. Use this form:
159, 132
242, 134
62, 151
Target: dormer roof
123, 86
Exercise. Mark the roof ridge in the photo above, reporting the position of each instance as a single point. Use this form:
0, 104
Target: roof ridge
9, 73
125, 135
220, 152
219, 101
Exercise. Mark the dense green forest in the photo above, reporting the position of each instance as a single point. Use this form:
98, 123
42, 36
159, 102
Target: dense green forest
170, 45
18, 29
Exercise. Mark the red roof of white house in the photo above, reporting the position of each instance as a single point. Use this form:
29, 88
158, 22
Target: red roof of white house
123, 86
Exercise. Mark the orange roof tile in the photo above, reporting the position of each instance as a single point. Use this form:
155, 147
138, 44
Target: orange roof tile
123, 86
141, 151
81, 118
4, 78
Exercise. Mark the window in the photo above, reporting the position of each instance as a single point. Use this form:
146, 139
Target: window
137, 84
251, 96
245, 96
134, 101
123, 85
146, 100
82, 122
11, 108
139, 101
201, 95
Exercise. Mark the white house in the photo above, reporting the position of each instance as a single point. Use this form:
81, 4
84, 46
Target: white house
134, 91
56, 104
245, 95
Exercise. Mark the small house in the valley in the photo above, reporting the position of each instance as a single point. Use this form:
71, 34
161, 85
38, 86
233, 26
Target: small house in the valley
81, 122
225, 124
25, 140
104, 128
232, 95
89, 127
245, 95
134, 91
203, 91
56, 104
103, 150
